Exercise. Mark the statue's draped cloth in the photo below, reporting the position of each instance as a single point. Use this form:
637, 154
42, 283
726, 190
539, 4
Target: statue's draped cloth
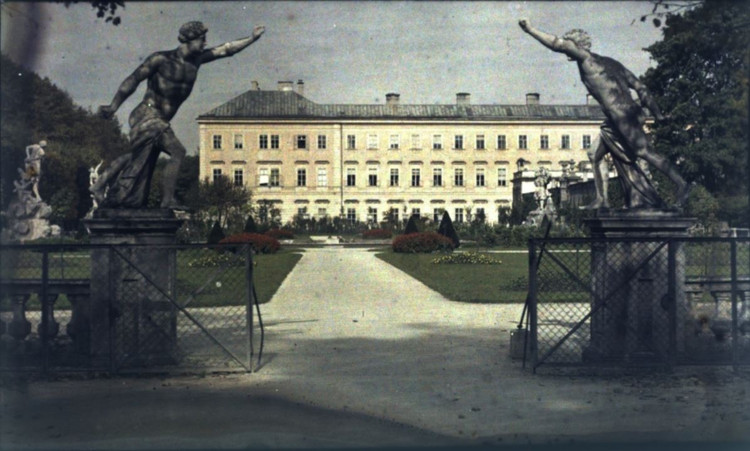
130, 187
637, 187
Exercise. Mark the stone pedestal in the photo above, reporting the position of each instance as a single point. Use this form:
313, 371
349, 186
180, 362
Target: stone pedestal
129, 317
634, 319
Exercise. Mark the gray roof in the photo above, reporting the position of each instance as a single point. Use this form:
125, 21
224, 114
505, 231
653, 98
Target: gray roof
291, 105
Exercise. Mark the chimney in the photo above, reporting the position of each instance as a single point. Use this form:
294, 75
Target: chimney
463, 99
286, 86
300, 87
391, 99
255, 86
590, 100
532, 98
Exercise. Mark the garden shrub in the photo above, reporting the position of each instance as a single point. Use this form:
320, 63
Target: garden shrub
280, 234
250, 226
446, 229
467, 258
262, 244
216, 234
411, 225
422, 242
377, 234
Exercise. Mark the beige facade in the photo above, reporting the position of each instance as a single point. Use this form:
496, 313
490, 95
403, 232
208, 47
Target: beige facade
360, 161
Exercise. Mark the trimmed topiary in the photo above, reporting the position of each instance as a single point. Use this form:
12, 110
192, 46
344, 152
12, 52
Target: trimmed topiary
250, 226
422, 242
411, 225
447, 230
216, 234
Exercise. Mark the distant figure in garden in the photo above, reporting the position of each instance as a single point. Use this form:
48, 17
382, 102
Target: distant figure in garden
622, 133
33, 165
170, 77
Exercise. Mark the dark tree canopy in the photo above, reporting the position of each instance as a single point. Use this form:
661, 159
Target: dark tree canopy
104, 10
447, 230
411, 225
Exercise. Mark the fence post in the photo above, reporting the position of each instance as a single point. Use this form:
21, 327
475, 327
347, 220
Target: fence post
735, 334
249, 303
45, 311
672, 299
532, 304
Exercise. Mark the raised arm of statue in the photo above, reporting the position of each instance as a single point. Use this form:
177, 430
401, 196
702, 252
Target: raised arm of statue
553, 42
130, 84
232, 47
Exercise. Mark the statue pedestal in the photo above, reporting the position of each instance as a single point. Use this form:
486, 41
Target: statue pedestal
129, 317
633, 318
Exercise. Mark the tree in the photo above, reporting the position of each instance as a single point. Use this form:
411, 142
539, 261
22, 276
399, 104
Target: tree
221, 201
216, 234
106, 10
447, 230
411, 225
701, 84
250, 226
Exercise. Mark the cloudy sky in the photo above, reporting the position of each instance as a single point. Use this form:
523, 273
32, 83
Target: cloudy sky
346, 52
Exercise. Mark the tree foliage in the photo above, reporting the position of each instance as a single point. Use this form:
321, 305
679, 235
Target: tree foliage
104, 10
221, 201
447, 230
701, 84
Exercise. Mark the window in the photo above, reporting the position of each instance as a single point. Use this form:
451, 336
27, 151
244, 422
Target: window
458, 142
274, 141
458, 177
216, 174
544, 142
263, 141
301, 177
394, 142
393, 212
302, 212
415, 177
480, 142
480, 177
394, 177
416, 142
275, 177
480, 215
437, 214
239, 142
416, 212
217, 141
351, 142
322, 177
372, 142
372, 176
301, 141
459, 215
437, 177
565, 142
351, 176
502, 177
322, 213
501, 144
522, 142
586, 141
263, 177
437, 142
322, 141
238, 177
351, 214
372, 214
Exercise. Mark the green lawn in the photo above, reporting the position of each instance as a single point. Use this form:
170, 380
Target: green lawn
502, 283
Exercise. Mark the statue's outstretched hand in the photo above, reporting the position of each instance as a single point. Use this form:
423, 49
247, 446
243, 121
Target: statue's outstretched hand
524, 24
258, 31
106, 111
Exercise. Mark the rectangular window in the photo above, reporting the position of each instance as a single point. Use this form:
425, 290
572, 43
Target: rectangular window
275, 179
217, 142
372, 177
351, 214
458, 177
459, 215
351, 176
239, 142
263, 177
238, 177
322, 213
301, 177
480, 142
502, 177
480, 177
394, 177
458, 142
302, 212
351, 142
263, 141
501, 143
322, 141
565, 142
415, 177
544, 142
301, 141
480, 215
395, 142
437, 177
372, 214
416, 141
372, 142
437, 142
322, 177
437, 214
274, 141
416, 212
586, 143
523, 142
216, 174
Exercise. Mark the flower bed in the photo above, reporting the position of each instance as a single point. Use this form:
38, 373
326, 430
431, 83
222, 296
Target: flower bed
422, 242
262, 244
467, 258
377, 234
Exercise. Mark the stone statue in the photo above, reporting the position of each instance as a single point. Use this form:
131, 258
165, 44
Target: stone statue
33, 165
622, 133
170, 78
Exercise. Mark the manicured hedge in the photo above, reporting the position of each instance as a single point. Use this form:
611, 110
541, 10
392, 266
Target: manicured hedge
262, 244
422, 242
377, 234
280, 234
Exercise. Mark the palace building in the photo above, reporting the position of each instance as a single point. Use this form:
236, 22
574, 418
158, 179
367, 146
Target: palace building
362, 161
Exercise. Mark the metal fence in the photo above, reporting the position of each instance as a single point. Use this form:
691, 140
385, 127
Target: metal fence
194, 313
639, 302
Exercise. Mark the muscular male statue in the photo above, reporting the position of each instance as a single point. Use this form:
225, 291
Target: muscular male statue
622, 133
170, 77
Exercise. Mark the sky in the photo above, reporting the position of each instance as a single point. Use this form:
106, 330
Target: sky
351, 52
